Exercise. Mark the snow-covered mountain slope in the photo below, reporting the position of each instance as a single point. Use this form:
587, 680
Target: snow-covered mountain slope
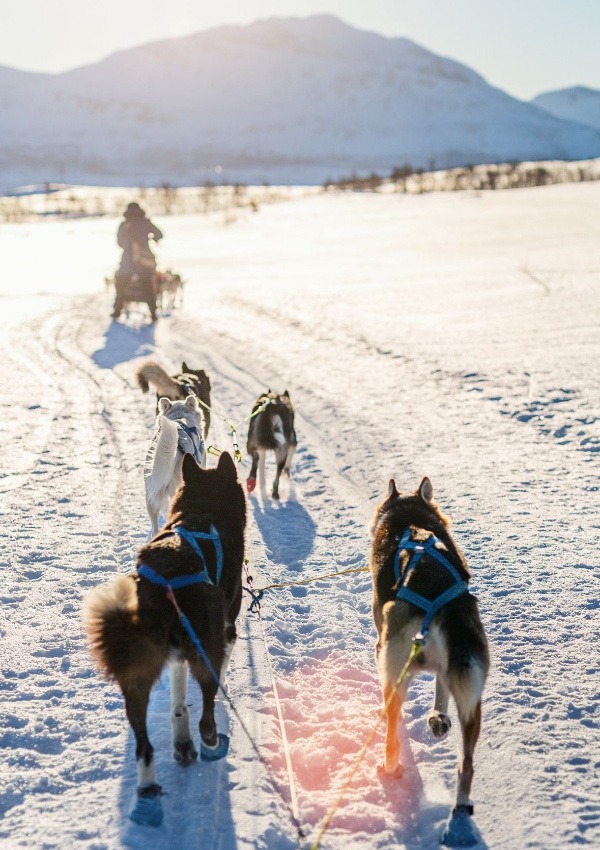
578, 103
452, 335
282, 100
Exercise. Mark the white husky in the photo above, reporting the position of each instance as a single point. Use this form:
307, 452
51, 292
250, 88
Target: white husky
179, 430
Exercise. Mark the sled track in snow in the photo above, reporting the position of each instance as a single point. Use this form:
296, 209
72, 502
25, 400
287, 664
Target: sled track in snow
79, 429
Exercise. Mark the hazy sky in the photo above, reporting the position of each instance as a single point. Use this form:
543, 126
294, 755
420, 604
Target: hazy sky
522, 46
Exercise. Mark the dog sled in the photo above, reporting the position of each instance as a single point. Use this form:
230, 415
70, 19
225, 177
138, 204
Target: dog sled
160, 291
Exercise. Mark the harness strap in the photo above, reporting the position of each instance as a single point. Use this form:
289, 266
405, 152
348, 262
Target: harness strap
176, 583
430, 606
202, 576
194, 436
192, 537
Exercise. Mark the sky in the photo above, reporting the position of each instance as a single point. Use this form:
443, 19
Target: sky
522, 46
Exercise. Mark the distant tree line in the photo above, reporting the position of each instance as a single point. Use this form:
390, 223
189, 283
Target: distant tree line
511, 175
57, 201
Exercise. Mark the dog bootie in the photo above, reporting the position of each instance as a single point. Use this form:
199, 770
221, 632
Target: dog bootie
250, 484
219, 751
460, 830
148, 809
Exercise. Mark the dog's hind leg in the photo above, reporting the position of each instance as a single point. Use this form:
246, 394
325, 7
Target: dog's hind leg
262, 456
251, 480
391, 765
153, 505
137, 694
466, 686
230, 638
183, 746
288, 460
439, 721
147, 810
470, 727
280, 457
211, 635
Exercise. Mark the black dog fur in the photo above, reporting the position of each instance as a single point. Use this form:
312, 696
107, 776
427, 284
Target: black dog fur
134, 630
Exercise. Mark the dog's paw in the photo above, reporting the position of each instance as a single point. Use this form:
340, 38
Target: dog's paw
184, 752
250, 484
440, 724
384, 773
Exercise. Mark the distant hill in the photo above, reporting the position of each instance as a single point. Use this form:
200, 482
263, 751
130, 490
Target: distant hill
575, 104
279, 100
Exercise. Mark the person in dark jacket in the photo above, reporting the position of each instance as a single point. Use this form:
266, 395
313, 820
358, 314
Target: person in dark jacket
133, 235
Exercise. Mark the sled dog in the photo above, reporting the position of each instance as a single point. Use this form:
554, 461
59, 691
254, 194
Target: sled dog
179, 427
176, 387
272, 429
420, 584
169, 289
134, 629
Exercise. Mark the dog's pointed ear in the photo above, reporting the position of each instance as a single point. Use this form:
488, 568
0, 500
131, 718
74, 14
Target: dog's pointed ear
164, 404
391, 491
426, 490
226, 465
189, 468
184, 368
192, 402
286, 394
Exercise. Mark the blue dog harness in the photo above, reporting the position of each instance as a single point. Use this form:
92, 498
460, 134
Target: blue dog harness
191, 432
202, 576
430, 606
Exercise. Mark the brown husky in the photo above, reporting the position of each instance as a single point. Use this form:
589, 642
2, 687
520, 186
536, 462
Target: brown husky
420, 585
134, 628
176, 387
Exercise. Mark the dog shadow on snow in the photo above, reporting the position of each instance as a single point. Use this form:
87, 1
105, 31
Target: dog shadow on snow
287, 529
196, 799
124, 342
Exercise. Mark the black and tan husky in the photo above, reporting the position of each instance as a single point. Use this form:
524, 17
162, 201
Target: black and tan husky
134, 628
176, 387
420, 585
271, 429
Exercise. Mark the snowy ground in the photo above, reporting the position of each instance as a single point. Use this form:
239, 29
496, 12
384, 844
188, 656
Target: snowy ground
449, 335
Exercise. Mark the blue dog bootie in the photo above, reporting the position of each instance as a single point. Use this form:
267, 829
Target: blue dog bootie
461, 830
148, 810
219, 751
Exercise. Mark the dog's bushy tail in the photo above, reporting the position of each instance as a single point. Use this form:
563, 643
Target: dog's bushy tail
278, 430
152, 373
110, 618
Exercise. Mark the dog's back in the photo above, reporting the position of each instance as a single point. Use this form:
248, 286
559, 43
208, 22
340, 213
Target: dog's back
122, 616
179, 428
176, 387
457, 638
273, 427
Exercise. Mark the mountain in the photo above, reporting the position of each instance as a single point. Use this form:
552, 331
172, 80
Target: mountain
575, 104
279, 100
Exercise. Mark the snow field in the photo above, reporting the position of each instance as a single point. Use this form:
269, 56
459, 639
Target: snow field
415, 338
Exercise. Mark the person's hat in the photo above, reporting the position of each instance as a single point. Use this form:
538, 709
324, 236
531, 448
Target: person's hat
133, 210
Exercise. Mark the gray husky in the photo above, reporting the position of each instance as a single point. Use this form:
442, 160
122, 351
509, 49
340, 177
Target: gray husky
271, 428
179, 429
420, 585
